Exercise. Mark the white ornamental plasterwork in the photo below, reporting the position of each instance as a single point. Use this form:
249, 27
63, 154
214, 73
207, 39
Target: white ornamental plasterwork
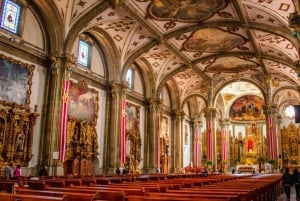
278, 42
80, 7
278, 9
62, 6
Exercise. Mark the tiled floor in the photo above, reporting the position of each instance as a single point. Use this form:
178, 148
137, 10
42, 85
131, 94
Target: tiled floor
282, 197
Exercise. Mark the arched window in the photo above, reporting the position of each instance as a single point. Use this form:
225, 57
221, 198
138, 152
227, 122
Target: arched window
84, 53
130, 78
161, 95
10, 17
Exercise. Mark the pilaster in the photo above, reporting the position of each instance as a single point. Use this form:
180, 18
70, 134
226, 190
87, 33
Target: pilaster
152, 139
60, 69
210, 114
177, 141
270, 112
112, 154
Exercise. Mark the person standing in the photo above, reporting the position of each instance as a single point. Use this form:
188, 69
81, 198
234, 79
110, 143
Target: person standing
8, 171
296, 178
18, 171
287, 182
43, 171
118, 171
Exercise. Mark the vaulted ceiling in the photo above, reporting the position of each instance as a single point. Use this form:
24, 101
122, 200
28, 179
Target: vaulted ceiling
194, 44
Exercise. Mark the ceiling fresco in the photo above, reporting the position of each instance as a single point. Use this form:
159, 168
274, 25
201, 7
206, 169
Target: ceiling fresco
191, 44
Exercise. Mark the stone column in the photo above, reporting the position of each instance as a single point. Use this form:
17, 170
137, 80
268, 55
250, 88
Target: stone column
200, 143
270, 111
224, 122
60, 69
177, 141
210, 114
112, 141
196, 149
279, 143
152, 138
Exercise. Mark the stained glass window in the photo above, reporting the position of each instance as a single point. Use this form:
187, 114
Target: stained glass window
10, 16
129, 78
83, 53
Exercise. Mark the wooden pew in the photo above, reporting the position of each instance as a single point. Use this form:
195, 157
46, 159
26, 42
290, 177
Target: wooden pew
244, 194
23, 197
176, 198
105, 194
73, 196
235, 197
6, 186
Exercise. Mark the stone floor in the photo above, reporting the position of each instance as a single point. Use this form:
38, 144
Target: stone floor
282, 197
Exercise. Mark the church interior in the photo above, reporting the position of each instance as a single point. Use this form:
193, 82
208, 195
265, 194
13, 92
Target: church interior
89, 86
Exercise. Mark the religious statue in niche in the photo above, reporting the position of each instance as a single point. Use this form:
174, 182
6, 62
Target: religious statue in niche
250, 145
20, 142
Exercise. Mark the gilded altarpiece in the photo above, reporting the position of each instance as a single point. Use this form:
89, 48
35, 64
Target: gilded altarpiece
81, 144
17, 121
290, 140
247, 148
133, 138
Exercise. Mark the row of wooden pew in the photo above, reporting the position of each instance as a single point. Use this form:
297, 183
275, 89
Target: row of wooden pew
213, 187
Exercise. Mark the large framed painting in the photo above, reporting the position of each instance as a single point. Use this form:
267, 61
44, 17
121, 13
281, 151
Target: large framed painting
247, 108
15, 80
132, 117
83, 102
164, 127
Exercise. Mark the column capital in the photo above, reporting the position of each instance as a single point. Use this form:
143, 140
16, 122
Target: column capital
155, 104
178, 114
210, 112
65, 63
118, 88
269, 109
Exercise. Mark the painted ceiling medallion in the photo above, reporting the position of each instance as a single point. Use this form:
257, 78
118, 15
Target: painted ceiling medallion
184, 10
213, 40
231, 65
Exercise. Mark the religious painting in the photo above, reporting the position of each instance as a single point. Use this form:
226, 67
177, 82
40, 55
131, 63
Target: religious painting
247, 108
231, 65
164, 127
185, 11
132, 117
83, 102
15, 80
213, 40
